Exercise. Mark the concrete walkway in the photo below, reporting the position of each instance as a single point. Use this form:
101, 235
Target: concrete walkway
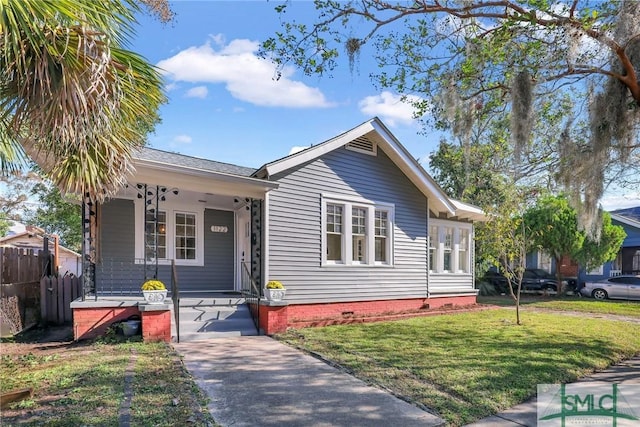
525, 414
257, 381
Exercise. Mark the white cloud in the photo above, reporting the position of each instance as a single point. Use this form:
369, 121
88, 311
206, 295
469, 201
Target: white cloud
182, 139
390, 108
197, 92
246, 76
620, 201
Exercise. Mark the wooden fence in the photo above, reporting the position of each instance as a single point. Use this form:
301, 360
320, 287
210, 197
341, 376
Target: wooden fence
27, 296
56, 294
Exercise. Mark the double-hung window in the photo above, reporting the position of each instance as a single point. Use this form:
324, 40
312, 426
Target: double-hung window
449, 246
334, 235
356, 232
447, 254
155, 235
359, 235
178, 234
381, 230
185, 236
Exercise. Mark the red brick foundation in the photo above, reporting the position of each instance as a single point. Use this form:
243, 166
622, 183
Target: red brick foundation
91, 320
156, 326
277, 318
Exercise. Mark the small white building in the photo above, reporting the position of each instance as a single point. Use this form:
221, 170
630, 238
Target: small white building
30, 237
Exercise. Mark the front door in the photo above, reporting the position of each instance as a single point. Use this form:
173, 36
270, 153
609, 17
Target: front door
243, 225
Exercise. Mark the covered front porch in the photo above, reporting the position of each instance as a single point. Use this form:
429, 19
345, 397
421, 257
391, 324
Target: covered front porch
193, 224
202, 216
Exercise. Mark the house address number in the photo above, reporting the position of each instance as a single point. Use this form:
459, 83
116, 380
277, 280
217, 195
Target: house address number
219, 229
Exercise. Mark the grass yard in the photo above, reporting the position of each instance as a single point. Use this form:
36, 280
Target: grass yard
569, 303
83, 384
470, 365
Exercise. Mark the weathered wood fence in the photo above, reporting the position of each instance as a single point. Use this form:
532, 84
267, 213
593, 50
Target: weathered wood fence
56, 294
27, 297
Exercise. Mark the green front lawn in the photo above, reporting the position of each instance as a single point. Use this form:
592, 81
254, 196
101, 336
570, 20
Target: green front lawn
569, 303
468, 366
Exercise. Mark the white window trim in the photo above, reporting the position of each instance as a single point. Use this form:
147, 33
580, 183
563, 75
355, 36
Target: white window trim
598, 271
347, 204
455, 249
546, 257
171, 208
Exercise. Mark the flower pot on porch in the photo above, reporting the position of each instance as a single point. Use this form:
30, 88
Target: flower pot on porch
155, 297
275, 294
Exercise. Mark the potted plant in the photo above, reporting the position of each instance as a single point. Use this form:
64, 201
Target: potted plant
275, 291
154, 291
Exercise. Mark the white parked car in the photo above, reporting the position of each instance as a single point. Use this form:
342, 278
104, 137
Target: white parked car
619, 287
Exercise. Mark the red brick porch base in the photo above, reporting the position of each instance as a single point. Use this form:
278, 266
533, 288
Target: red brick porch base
276, 317
92, 318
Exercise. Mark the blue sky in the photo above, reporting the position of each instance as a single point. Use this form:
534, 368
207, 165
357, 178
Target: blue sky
225, 103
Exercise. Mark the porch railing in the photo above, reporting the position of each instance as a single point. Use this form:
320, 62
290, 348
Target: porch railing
251, 293
124, 276
614, 273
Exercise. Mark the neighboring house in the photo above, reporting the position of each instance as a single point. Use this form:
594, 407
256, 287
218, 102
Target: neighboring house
628, 259
540, 259
352, 225
69, 262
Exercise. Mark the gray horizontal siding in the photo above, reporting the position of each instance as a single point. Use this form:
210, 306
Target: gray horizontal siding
450, 283
295, 230
117, 273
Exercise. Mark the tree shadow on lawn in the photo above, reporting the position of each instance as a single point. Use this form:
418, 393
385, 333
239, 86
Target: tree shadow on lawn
473, 375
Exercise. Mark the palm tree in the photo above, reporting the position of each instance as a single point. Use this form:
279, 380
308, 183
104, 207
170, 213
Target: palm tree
71, 97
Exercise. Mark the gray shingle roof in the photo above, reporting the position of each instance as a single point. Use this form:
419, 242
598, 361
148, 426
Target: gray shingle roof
631, 213
167, 157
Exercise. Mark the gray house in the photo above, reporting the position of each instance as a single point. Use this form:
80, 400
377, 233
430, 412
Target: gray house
352, 225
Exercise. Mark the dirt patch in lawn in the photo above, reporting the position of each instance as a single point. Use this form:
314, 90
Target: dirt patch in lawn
85, 383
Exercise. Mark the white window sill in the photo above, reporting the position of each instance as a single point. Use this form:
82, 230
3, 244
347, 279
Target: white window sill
357, 265
192, 263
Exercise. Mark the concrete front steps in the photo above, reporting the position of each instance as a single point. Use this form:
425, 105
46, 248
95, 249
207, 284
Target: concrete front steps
213, 317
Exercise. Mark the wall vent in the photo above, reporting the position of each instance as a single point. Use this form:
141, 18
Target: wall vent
362, 145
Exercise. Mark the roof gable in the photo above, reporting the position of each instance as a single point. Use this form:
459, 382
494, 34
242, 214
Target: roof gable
31, 240
374, 131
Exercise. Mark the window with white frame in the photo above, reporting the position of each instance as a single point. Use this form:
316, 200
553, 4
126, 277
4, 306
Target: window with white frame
597, 271
449, 247
463, 251
433, 248
185, 236
366, 240
334, 232
544, 261
359, 235
179, 234
381, 230
155, 231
